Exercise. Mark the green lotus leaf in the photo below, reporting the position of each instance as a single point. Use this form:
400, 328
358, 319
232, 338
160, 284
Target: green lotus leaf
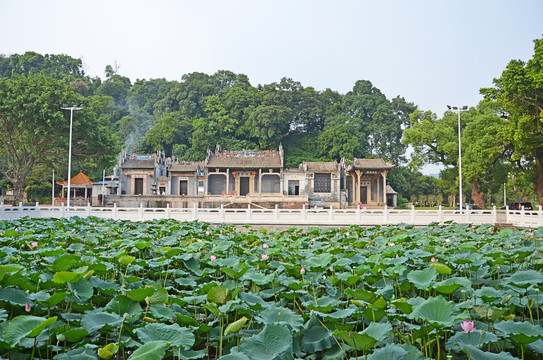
374, 314
402, 305
488, 313
140, 294
378, 331
236, 326
126, 259
274, 341
422, 279
3, 315
521, 332
24, 326
258, 277
73, 335
477, 338
219, 295
357, 340
94, 321
477, 354
83, 290
63, 277
251, 299
235, 273
235, 356
488, 294
389, 352
436, 311
450, 285
319, 261
174, 335
339, 314
83, 353
161, 312
315, 337
154, 350
65, 262
15, 296
280, 315
363, 295
160, 296
536, 346
212, 308
441, 268
525, 278
121, 305
108, 351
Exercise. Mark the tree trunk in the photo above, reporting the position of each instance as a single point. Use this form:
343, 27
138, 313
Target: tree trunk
476, 194
538, 176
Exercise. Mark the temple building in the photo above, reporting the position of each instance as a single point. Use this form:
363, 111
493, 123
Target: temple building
248, 178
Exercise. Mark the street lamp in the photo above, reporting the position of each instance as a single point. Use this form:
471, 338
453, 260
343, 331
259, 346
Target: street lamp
458, 109
71, 108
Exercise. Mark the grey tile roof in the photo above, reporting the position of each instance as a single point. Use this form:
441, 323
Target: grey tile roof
245, 159
138, 164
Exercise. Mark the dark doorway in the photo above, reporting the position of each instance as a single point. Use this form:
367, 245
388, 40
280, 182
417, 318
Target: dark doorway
294, 187
183, 187
243, 185
363, 194
138, 186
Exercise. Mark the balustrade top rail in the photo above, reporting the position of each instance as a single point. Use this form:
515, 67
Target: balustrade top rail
278, 216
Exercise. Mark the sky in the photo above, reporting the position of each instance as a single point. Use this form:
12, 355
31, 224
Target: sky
431, 52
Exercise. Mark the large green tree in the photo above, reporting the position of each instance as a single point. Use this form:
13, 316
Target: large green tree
519, 91
35, 129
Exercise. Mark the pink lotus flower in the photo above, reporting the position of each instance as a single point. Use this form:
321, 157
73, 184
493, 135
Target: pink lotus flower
433, 259
207, 232
213, 258
27, 307
91, 223
264, 257
331, 268
302, 270
397, 256
467, 326
265, 246
33, 244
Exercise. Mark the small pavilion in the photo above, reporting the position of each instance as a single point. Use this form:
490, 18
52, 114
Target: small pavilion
80, 187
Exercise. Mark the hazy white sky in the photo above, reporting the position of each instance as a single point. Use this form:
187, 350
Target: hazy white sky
432, 52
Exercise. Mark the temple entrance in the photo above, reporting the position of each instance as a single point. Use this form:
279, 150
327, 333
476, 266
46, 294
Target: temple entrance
363, 194
243, 185
183, 187
138, 186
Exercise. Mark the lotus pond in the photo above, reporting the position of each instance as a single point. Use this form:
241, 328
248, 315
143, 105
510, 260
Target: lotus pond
88, 288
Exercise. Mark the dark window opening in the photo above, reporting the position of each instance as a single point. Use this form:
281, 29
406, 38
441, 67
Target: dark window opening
323, 183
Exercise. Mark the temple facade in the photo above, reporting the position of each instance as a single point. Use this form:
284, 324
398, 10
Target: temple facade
248, 178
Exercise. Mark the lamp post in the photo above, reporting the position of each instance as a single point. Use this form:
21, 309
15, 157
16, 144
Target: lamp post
71, 108
458, 110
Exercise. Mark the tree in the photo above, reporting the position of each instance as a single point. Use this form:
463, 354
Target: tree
35, 130
519, 91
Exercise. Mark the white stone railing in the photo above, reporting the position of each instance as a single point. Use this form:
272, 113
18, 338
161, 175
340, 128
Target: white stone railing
277, 216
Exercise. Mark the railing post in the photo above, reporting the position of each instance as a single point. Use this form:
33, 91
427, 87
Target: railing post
304, 214
2, 210
249, 213
385, 215
21, 207
115, 211
222, 215
441, 216
167, 210
358, 214
141, 211
522, 216
331, 214
506, 214
62, 215
276, 214
467, 218
88, 211
540, 216
412, 214
195, 212
494, 215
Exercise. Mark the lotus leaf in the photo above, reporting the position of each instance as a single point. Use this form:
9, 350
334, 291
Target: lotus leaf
389, 352
24, 326
357, 340
235, 326
477, 354
154, 350
422, 279
94, 321
450, 285
524, 279
174, 335
477, 338
108, 351
279, 315
272, 342
521, 332
436, 311
441, 268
